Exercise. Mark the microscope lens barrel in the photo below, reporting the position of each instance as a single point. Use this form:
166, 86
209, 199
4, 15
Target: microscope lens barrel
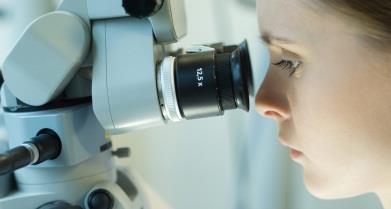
206, 83
196, 85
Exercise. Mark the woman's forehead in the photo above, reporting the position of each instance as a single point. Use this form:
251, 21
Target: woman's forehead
284, 18
296, 21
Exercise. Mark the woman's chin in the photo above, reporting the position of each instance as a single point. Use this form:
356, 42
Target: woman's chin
325, 189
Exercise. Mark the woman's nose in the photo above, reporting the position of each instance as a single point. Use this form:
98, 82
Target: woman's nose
271, 100
271, 106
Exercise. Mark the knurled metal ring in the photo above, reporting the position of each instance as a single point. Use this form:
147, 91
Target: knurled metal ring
167, 82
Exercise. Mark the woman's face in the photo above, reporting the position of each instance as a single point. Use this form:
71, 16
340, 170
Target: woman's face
336, 108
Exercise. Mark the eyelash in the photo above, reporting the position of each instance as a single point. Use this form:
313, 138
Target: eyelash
288, 65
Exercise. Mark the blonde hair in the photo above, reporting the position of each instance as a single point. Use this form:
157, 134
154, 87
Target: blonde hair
372, 16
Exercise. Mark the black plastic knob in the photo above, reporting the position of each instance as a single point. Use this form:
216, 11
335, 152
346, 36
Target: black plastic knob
100, 199
142, 8
123, 152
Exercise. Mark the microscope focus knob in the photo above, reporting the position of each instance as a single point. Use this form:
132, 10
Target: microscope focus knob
142, 8
100, 199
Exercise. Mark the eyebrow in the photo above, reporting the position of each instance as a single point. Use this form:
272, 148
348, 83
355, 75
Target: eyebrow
268, 38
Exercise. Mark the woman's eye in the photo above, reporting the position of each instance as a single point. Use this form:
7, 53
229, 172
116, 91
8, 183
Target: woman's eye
289, 66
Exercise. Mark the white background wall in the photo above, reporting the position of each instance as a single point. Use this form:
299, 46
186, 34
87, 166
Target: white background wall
219, 163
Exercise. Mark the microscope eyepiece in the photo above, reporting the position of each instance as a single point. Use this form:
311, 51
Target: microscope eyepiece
207, 83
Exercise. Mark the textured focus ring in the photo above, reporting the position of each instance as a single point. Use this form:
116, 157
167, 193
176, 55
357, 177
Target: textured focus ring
167, 81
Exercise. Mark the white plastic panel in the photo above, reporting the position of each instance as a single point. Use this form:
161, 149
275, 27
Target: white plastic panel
46, 57
103, 9
169, 24
99, 83
124, 86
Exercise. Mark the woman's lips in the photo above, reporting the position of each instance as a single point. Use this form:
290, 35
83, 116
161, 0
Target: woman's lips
285, 143
295, 154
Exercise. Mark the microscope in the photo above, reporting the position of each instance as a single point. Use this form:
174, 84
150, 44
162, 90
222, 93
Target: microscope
96, 68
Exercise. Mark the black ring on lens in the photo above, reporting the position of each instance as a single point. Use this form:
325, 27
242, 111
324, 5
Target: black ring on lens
239, 82
246, 66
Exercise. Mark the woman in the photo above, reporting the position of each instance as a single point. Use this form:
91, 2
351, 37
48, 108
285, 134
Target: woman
329, 89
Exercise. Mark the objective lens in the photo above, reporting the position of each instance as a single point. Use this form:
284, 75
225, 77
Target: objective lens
205, 84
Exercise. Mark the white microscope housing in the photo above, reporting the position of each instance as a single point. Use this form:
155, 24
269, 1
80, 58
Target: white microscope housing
121, 53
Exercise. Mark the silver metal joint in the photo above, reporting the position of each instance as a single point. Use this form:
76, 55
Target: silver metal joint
34, 152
